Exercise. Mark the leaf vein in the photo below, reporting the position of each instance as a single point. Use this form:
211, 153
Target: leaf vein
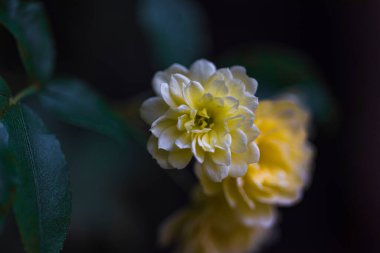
33, 164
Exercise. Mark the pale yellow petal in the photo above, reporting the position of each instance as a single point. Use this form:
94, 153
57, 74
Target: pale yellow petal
160, 125
239, 141
165, 93
202, 70
238, 167
180, 158
168, 137
193, 93
240, 73
183, 141
198, 152
216, 172
161, 156
262, 215
152, 109
177, 82
164, 76
221, 157
210, 187
217, 87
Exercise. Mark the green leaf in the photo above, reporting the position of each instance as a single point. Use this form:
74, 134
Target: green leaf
75, 103
272, 66
318, 98
27, 22
176, 30
5, 94
282, 70
6, 185
42, 201
6, 181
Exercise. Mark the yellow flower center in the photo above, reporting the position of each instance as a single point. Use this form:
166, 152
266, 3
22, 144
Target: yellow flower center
197, 121
202, 122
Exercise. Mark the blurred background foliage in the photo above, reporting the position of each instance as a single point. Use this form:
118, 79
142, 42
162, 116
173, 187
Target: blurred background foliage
120, 195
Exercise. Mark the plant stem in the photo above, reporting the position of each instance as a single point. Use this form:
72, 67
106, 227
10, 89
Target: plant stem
24, 93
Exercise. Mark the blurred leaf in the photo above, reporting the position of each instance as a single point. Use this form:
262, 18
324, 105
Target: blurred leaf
5, 94
176, 30
75, 103
6, 185
27, 22
42, 202
318, 98
281, 70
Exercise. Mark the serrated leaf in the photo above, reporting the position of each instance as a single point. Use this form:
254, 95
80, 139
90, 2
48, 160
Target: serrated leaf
42, 201
75, 103
176, 30
27, 22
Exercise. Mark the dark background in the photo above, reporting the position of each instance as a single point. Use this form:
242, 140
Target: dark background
101, 42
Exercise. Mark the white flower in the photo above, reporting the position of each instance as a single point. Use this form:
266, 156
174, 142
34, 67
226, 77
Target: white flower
205, 113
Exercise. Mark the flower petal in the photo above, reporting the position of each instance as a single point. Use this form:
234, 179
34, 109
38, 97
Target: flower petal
215, 172
230, 191
251, 131
239, 141
253, 153
221, 157
238, 167
262, 215
192, 93
225, 73
158, 79
164, 76
152, 109
183, 141
198, 152
158, 154
210, 187
160, 125
217, 87
165, 93
240, 73
243, 194
176, 85
167, 138
180, 158
202, 70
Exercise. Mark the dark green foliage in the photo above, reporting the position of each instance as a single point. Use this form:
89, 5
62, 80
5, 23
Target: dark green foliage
176, 30
281, 70
74, 102
27, 22
42, 201
5, 94
6, 180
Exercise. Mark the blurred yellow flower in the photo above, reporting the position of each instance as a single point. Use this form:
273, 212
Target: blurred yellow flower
205, 113
209, 225
285, 160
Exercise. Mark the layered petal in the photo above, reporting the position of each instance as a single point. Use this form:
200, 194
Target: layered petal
164, 76
209, 225
150, 115
205, 110
282, 172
